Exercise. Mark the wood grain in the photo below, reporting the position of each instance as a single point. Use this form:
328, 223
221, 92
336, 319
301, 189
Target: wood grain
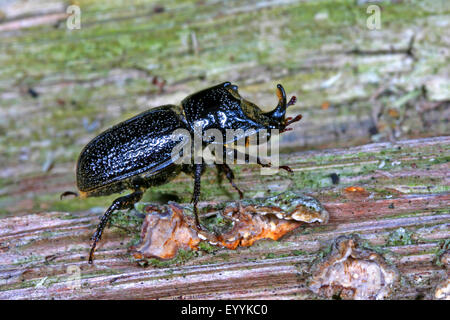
39, 250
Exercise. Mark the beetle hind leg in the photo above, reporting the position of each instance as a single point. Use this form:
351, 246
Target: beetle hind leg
121, 203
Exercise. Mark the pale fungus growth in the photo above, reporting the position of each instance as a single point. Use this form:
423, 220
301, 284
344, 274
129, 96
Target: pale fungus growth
351, 272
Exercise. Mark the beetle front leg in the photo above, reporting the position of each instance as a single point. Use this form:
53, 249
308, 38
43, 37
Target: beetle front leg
252, 159
198, 170
121, 203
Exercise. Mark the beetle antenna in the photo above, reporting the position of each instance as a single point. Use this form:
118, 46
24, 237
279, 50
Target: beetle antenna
68, 193
292, 101
290, 121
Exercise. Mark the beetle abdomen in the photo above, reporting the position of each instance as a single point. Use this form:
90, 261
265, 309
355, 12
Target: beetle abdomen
137, 145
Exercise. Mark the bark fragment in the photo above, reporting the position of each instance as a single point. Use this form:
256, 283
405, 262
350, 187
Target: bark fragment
168, 228
351, 272
442, 291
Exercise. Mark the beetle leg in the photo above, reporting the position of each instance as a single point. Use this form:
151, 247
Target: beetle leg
121, 203
198, 170
246, 157
287, 168
224, 168
258, 160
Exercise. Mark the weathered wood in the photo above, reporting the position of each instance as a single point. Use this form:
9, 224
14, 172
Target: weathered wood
42, 252
59, 88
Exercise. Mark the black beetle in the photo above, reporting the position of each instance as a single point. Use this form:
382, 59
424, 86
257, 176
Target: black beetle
137, 153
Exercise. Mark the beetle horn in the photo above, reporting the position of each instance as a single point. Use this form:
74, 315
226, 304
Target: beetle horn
280, 111
68, 193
